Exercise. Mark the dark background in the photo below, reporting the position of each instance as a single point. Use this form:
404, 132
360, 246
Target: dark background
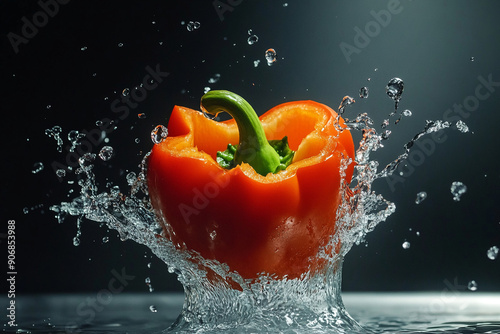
429, 44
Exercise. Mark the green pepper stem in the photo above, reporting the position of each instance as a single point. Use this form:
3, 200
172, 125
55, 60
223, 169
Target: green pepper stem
253, 147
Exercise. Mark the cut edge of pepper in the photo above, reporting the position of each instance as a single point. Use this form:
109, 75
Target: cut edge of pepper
186, 145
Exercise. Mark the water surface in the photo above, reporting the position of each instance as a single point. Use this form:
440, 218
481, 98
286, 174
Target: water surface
430, 312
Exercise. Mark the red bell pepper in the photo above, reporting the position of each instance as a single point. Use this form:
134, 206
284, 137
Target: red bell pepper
266, 221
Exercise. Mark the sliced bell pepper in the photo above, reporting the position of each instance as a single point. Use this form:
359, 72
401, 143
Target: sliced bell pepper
274, 222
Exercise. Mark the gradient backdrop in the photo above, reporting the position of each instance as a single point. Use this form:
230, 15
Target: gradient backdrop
67, 68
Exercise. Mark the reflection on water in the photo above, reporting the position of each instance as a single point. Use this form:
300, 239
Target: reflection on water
376, 312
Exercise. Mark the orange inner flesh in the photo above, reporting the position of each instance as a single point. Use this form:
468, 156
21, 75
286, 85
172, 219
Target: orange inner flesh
303, 123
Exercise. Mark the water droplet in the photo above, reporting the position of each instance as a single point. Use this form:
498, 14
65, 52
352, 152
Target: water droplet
406, 245
193, 25
472, 59
26, 210
55, 133
462, 127
83, 48
149, 264
270, 56
472, 286
386, 134
421, 196
37, 167
347, 100
120, 45
363, 92
252, 39
256, 63
49, 106
131, 178
94, 74
206, 90
407, 113
159, 134
394, 90
126, 92
493, 253
147, 280
153, 22
153, 309
74, 137
385, 123
86, 160
457, 190
76, 241
141, 116
61, 173
106, 153
213, 234
137, 140
215, 78
105, 240
285, 4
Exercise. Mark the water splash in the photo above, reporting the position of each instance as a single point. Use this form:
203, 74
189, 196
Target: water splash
270, 56
472, 286
363, 92
457, 190
55, 133
74, 138
193, 25
394, 90
461, 126
37, 167
214, 79
492, 253
61, 173
158, 134
252, 39
347, 100
421, 196
219, 300
106, 153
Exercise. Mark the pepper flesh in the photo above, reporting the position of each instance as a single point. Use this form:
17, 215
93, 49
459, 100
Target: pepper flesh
255, 224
